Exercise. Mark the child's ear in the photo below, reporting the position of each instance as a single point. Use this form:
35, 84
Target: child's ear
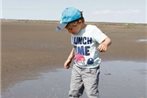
80, 21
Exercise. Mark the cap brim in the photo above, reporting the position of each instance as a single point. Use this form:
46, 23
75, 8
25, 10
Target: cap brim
60, 27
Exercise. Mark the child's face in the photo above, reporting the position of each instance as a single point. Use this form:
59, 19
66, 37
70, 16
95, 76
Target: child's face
74, 27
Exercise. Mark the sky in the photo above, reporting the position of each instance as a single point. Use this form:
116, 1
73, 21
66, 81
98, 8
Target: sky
126, 11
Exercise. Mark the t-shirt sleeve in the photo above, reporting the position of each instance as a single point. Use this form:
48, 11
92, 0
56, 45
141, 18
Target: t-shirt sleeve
98, 35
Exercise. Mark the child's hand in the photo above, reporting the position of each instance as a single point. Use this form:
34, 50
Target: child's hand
102, 47
67, 64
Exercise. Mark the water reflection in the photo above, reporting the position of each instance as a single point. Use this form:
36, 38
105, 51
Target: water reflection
142, 40
118, 79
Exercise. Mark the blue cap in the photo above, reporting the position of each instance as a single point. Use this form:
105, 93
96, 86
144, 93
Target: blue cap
68, 15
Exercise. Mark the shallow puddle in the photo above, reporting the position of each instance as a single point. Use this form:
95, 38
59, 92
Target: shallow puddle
142, 40
118, 79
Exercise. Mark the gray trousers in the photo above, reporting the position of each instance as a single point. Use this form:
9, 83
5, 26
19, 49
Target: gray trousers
84, 78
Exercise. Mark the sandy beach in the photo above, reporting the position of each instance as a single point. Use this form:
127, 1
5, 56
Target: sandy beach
34, 53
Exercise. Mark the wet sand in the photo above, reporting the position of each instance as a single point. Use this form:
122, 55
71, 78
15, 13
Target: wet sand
30, 48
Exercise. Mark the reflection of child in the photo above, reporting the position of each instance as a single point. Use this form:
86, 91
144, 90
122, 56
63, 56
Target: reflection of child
87, 40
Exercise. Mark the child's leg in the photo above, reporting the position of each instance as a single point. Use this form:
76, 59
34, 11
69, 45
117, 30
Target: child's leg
91, 79
76, 86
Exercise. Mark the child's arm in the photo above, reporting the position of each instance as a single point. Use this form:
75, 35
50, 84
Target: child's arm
69, 59
104, 45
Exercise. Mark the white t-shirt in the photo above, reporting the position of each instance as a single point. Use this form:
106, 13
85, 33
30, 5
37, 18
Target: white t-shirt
85, 44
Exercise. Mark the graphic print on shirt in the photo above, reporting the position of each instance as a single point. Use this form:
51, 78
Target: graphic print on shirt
82, 46
79, 59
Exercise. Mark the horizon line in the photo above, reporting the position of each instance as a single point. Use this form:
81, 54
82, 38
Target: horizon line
23, 19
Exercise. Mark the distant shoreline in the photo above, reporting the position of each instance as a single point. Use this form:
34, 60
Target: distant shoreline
56, 21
